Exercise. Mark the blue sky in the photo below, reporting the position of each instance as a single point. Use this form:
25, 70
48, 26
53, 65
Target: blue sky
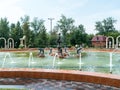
85, 12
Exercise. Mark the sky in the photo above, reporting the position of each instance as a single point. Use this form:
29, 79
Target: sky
85, 12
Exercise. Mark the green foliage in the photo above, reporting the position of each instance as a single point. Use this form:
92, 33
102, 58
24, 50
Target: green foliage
69, 46
21, 46
4, 30
16, 33
52, 37
88, 40
37, 35
105, 26
65, 25
79, 36
26, 28
37, 25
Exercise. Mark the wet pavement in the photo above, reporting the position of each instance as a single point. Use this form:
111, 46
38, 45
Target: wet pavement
49, 84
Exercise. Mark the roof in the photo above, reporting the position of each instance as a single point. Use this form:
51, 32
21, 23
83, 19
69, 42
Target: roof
99, 38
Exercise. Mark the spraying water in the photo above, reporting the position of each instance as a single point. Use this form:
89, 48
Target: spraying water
54, 60
4, 60
111, 62
80, 62
111, 54
30, 59
91, 68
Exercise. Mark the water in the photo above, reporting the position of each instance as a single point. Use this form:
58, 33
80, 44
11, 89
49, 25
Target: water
54, 60
5, 58
93, 61
80, 62
7, 87
31, 60
111, 62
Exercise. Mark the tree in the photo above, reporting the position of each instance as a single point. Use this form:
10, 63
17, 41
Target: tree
65, 25
105, 26
41, 39
26, 28
88, 40
16, 33
31, 39
79, 36
37, 24
4, 30
39, 30
53, 37
43, 36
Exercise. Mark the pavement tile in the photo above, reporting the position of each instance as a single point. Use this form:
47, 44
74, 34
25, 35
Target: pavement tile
49, 84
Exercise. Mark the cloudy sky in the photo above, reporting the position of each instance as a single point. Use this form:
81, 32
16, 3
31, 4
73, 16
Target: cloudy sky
85, 12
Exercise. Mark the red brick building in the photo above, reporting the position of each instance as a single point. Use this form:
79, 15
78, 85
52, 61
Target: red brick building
99, 41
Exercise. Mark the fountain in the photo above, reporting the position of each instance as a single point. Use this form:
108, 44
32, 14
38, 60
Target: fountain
95, 59
79, 50
61, 74
91, 68
60, 52
30, 59
54, 60
80, 63
41, 52
50, 53
111, 59
111, 62
4, 60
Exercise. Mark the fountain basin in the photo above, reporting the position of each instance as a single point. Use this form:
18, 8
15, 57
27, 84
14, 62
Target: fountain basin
92, 62
71, 75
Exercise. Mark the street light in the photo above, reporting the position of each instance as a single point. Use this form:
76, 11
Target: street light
51, 19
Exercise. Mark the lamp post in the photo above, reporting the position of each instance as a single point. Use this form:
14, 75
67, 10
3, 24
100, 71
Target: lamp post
51, 19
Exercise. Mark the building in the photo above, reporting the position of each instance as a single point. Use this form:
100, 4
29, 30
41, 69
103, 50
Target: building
99, 41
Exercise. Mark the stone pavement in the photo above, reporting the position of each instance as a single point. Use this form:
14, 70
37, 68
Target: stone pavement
49, 84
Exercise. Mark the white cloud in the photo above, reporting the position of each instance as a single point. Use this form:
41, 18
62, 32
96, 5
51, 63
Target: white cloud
89, 20
68, 8
72, 4
9, 9
46, 8
4, 3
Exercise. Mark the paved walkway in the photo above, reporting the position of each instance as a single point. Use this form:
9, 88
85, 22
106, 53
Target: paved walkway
48, 84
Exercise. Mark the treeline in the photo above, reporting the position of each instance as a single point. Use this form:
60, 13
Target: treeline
37, 35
